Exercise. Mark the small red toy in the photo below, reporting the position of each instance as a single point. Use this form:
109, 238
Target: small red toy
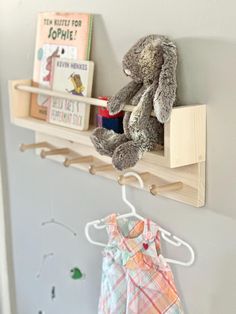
110, 122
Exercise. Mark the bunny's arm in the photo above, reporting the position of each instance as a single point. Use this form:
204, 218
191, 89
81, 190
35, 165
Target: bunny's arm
144, 108
116, 103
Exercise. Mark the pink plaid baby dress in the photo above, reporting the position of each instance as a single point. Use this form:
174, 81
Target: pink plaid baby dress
135, 277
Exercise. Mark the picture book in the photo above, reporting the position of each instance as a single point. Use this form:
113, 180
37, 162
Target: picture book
75, 78
65, 35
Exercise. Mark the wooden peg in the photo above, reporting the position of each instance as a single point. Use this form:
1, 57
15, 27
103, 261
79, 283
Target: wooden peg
93, 169
52, 152
154, 190
78, 160
24, 147
126, 180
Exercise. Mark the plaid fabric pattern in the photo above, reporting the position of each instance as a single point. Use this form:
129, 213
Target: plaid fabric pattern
136, 278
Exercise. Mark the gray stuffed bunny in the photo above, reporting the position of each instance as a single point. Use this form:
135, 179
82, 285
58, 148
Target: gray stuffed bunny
151, 64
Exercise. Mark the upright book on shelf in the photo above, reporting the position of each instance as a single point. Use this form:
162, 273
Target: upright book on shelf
76, 78
65, 35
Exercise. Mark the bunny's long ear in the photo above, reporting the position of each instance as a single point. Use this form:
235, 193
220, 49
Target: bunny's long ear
165, 94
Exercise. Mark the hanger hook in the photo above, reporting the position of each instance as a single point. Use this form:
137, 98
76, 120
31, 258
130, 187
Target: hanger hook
136, 175
123, 188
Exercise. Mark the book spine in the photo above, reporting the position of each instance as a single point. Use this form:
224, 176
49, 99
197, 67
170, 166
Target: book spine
89, 36
35, 73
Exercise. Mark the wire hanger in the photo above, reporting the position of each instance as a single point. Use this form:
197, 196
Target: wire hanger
43, 261
164, 233
57, 222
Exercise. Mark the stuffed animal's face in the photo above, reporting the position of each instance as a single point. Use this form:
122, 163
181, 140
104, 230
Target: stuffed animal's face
144, 60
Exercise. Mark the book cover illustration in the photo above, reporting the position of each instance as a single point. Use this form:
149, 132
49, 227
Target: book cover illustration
75, 78
59, 35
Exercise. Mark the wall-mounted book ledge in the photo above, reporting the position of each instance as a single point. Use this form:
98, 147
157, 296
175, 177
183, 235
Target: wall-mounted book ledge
176, 171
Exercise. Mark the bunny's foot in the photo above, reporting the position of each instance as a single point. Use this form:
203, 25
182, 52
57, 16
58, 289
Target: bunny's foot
126, 155
106, 141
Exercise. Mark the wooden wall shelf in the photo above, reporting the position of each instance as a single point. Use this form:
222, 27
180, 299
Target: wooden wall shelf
181, 161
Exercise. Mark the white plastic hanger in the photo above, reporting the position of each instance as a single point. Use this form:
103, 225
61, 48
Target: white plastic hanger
164, 233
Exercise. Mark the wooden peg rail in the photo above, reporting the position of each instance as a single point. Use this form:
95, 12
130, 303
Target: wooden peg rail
78, 160
127, 180
53, 152
88, 100
155, 190
94, 169
175, 171
24, 147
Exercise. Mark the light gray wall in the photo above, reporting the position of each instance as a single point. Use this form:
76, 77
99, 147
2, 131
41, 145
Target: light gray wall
205, 32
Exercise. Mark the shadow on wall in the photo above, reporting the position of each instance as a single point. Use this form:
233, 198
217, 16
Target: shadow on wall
206, 70
108, 76
206, 74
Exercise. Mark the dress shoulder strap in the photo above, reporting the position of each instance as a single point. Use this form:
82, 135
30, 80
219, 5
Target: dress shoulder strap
111, 226
152, 234
150, 230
